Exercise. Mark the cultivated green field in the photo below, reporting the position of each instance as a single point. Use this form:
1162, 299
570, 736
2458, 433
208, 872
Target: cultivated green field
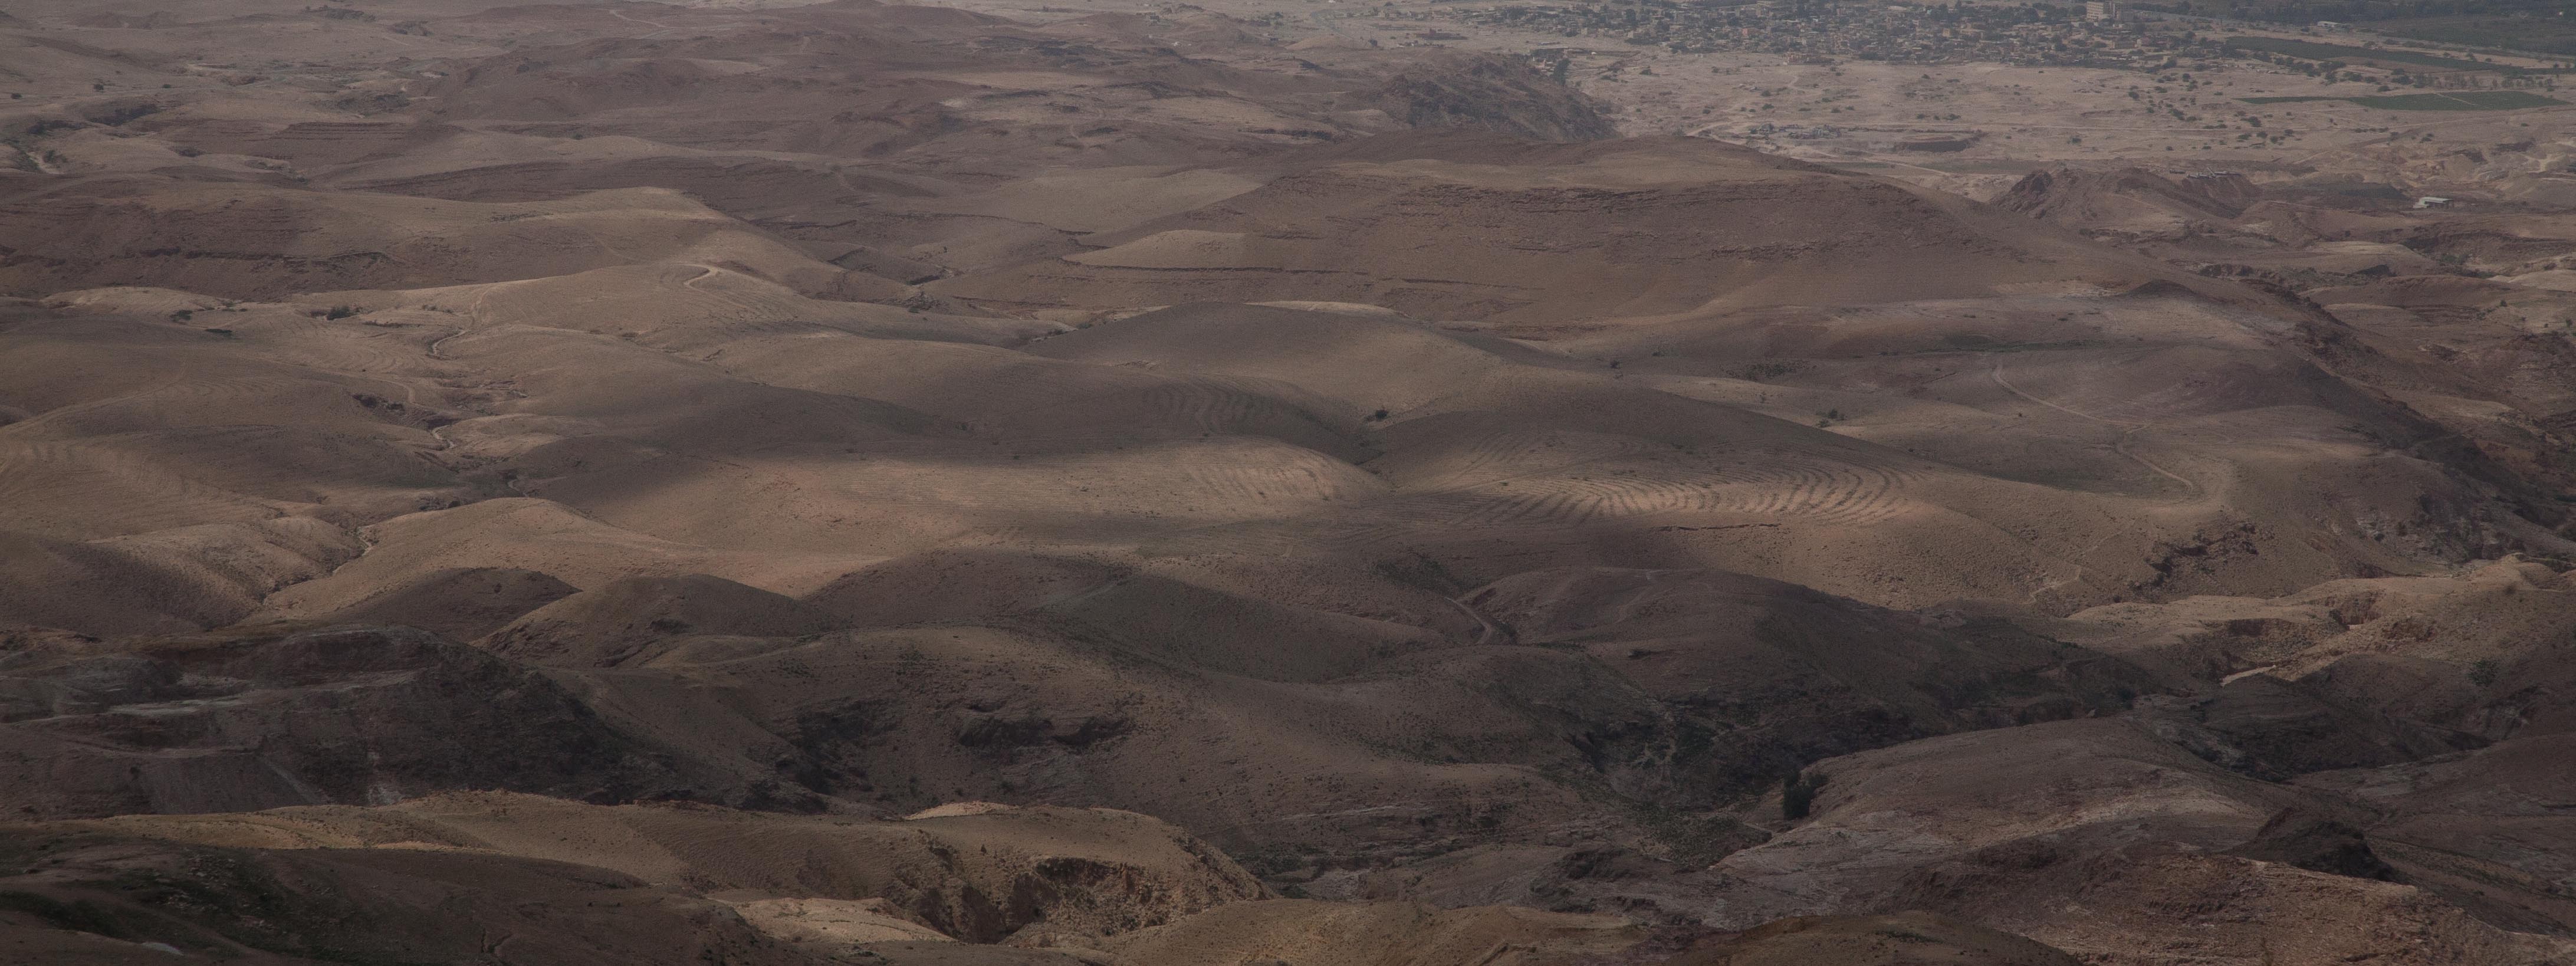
2455, 101
2459, 101
2315, 51
2545, 35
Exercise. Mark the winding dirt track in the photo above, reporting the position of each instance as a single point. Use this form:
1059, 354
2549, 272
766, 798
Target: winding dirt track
2127, 429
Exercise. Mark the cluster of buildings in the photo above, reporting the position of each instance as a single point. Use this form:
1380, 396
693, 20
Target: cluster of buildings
2098, 34
1795, 132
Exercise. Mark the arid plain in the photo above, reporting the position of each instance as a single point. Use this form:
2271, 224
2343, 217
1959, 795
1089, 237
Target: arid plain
788, 484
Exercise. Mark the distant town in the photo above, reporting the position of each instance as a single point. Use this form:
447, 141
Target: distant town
2095, 35
2098, 34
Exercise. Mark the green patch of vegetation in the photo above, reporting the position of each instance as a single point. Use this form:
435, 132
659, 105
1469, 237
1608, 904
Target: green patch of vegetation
2451, 101
1798, 795
2460, 101
2307, 50
1767, 370
2546, 35
1695, 839
1271, 861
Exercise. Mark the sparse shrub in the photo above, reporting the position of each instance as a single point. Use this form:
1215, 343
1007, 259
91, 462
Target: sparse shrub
338, 312
1378, 415
1765, 370
182, 315
2485, 672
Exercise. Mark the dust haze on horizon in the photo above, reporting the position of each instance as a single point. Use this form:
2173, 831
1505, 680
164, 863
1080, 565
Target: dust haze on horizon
1287, 483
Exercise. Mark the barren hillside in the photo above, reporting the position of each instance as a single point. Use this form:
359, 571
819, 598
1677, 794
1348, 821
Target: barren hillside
778, 483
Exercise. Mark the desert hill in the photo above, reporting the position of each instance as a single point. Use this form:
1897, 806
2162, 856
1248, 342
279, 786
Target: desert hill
415, 874
241, 242
2134, 200
1618, 220
462, 873
2444, 311
791, 483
